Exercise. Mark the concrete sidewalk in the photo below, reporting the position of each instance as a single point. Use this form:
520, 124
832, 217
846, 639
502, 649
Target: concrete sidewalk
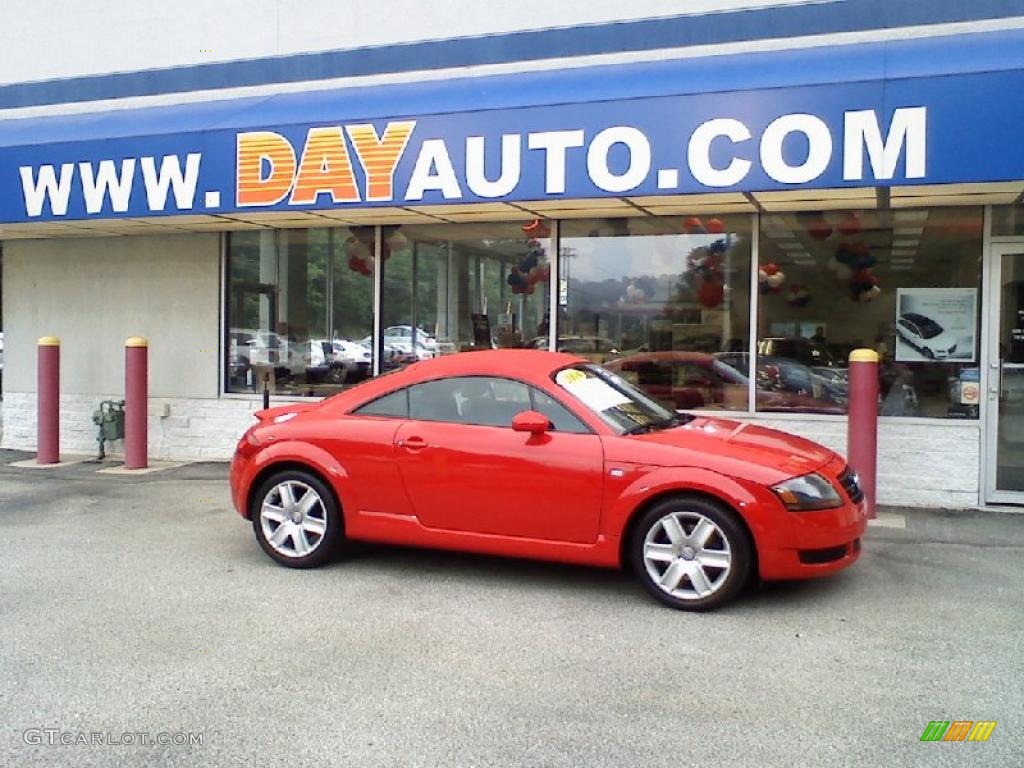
142, 604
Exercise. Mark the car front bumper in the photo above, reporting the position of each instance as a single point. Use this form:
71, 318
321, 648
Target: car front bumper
821, 542
814, 543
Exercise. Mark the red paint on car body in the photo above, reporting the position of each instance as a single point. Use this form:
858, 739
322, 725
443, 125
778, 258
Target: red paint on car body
555, 496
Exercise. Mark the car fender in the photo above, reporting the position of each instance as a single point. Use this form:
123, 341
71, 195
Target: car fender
312, 456
754, 503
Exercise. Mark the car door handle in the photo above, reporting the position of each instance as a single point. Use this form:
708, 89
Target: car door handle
413, 443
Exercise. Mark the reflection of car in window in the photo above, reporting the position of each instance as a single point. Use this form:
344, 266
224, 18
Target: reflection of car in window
786, 385
925, 335
807, 351
597, 349
684, 380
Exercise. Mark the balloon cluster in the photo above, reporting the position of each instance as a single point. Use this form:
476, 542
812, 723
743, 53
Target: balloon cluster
770, 278
853, 263
524, 276
359, 247
360, 255
853, 260
537, 230
864, 286
634, 295
705, 264
798, 296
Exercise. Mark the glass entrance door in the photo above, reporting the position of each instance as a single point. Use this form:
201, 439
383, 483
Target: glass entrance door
1006, 378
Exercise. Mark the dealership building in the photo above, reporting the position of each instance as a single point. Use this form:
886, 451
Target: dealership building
721, 205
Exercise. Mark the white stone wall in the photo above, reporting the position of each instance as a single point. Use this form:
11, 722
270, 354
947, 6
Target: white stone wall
919, 464
194, 429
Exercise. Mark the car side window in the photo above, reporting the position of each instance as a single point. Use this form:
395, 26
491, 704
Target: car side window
562, 420
688, 375
395, 404
480, 400
486, 401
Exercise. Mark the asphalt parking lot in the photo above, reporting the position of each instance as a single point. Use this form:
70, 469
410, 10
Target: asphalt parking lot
143, 605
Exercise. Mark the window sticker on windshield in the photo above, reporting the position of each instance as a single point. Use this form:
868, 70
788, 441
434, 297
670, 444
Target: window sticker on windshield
570, 376
595, 394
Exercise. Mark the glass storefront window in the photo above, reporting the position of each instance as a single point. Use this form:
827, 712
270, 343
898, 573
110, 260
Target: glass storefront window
300, 308
662, 301
1008, 220
460, 287
904, 282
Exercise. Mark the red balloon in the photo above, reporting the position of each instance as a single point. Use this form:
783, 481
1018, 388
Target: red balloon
711, 294
864, 276
850, 225
537, 228
714, 226
820, 230
693, 224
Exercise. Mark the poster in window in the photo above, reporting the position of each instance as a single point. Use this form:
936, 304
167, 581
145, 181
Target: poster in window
936, 324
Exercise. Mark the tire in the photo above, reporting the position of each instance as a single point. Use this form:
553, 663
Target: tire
337, 375
313, 526
682, 572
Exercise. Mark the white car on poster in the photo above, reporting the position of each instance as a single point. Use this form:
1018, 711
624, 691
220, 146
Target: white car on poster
926, 336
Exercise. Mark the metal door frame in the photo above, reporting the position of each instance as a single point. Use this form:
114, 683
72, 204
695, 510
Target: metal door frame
995, 249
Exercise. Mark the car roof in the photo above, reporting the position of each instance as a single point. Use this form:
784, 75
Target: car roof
525, 364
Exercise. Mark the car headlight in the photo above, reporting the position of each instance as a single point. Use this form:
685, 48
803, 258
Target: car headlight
808, 492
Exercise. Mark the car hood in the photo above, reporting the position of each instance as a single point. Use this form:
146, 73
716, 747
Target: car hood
943, 341
733, 448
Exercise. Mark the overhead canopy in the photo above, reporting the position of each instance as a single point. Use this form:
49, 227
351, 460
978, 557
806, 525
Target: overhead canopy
892, 121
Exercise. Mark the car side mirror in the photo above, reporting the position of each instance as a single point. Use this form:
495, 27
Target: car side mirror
531, 421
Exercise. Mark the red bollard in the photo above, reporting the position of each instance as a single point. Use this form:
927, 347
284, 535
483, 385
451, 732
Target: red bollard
862, 429
48, 401
136, 402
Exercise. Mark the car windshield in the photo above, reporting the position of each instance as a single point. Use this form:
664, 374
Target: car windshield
620, 405
929, 328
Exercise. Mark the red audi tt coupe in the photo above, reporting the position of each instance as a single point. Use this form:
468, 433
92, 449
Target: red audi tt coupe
544, 455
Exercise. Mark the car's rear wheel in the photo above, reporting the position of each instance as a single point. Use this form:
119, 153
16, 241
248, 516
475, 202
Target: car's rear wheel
691, 553
296, 519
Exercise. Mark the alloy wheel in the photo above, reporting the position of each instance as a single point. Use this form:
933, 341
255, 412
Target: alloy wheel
687, 555
293, 518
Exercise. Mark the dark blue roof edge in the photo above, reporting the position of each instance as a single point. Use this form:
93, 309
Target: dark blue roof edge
776, 22
859, 62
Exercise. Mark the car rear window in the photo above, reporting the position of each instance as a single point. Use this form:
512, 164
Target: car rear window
395, 404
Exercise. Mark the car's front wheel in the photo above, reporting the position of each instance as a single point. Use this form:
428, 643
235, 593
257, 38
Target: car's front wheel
296, 519
691, 553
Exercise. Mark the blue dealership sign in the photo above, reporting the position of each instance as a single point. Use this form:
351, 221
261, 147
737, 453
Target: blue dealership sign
326, 154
